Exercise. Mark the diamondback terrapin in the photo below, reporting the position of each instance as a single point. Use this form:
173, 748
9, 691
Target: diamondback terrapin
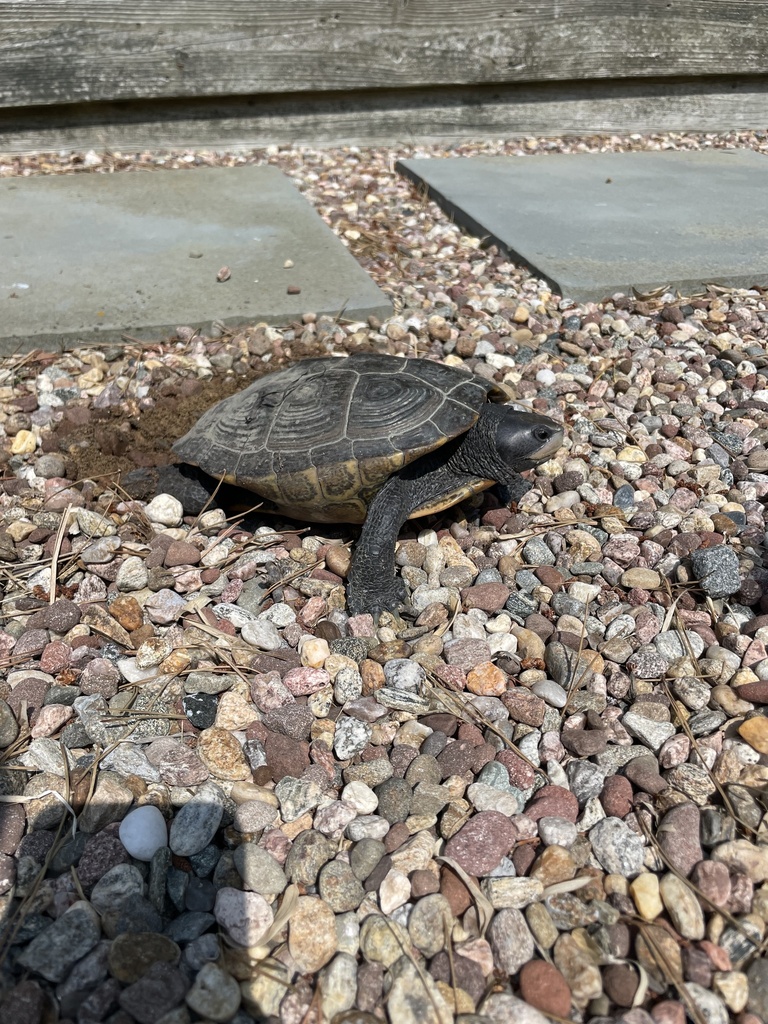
369, 439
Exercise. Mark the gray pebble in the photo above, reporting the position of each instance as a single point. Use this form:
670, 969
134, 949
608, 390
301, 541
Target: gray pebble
259, 870
197, 822
617, 847
511, 940
717, 570
122, 882
57, 948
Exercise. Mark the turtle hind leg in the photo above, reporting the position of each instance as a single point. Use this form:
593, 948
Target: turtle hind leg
193, 488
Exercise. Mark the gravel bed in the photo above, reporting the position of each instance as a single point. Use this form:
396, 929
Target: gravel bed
224, 799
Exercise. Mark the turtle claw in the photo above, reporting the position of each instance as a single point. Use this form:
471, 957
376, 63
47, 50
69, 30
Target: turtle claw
377, 599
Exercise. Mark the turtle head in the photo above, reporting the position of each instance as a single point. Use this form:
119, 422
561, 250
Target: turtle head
524, 439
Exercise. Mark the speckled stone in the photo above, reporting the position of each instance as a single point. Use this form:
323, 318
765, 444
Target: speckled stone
479, 846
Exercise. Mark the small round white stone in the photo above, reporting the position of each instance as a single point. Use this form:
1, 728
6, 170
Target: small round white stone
143, 832
165, 510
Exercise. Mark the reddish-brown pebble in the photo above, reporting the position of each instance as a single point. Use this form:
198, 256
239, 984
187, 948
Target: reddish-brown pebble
696, 966
55, 657
550, 577
30, 643
442, 722
714, 881
755, 692
423, 883
668, 1011
480, 844
523, 857
301, 681
553, 802
100, 676
486, 680
181, 552
584, 742
678, 836
397, 835
127, 611
29, 691
452, 676
521, 774
454, 890
483, 755
719, 957
524, 707
540, 625
286, 756
543, 986
488, 597
469, 731
616, 796
466, 653
496, 517
620, 983
456, 758
209, 575
643, 772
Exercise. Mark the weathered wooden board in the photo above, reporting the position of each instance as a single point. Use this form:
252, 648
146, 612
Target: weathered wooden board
438, 115
80, 51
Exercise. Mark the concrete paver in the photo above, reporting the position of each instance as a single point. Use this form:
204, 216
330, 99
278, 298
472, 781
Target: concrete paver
594, 224
92, 256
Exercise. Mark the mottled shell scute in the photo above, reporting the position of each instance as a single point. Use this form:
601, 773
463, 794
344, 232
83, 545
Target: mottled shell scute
319, 438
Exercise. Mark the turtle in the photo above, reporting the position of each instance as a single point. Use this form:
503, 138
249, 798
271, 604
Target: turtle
372, 439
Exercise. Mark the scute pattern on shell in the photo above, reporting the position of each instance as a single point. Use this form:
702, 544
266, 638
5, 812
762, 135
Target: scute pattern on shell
320, 438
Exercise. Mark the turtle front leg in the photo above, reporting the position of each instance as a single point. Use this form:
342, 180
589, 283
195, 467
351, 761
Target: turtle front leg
371, 584
513, 489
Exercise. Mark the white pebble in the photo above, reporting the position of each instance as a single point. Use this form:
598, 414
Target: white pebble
261, 634
359, 797
143, 832
165, 510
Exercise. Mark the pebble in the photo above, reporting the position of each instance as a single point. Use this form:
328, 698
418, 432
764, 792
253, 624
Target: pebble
59, 946
214, 995
312, 938
155, 994
480, 844
165, 510
143, 832
259, 870
511, 940
617, 847
197, 822
717, 570
678, 836
682, 906
245, 916
543, 987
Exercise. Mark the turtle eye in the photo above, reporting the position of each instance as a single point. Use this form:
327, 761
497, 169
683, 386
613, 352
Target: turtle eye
542, 433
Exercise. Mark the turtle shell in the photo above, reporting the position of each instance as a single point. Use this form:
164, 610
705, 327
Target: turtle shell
317, 440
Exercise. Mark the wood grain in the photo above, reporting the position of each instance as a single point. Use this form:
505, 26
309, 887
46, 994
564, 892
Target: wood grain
87, 51
438, 115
